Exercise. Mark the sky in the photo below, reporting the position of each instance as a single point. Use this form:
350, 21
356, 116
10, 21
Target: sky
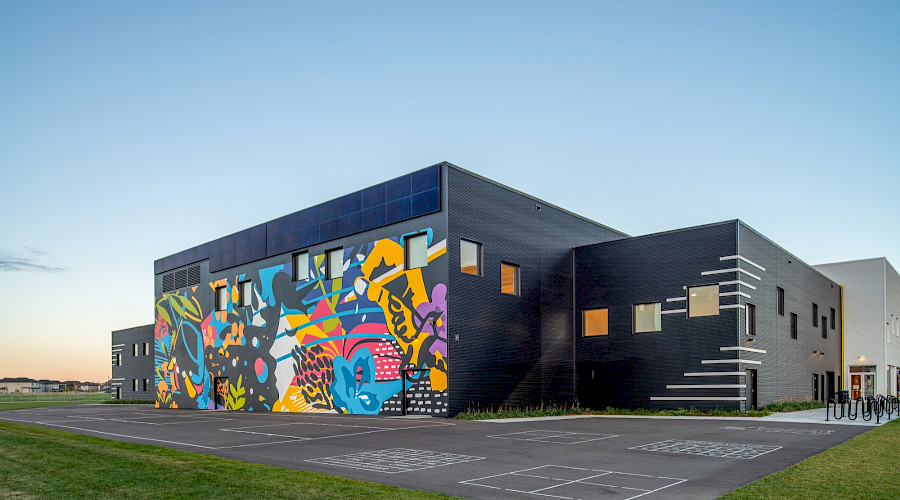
133, 130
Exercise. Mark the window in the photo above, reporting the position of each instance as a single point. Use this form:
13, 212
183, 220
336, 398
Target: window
245, 293
780, 301
647, 317
793, 326
832, 318
334, 264
146, 348
134, 349
703, 301
134, 384
146, 384
751, 319
815, 315
470, 257
221, 298
118, 393
824, 327
416, 249
300, 263
509, 278
118, 359
595, 322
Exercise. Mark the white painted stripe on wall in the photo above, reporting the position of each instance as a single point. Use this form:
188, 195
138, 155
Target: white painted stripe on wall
730, 270
732, 306
741, 257
737, 282
673, 311
706, 386
725, 361
676, 299
118, 345
117, 350
696, 398
729, 294
118, 379
715, 374
742, 348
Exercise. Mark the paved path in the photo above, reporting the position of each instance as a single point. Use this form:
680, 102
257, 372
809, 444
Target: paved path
564, 458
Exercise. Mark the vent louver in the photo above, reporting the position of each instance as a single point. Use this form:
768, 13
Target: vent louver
181, 278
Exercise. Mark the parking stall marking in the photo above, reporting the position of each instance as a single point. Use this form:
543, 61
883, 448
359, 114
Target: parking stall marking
809, 432
565, 482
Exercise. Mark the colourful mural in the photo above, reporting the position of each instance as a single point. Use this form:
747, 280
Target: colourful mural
363, 343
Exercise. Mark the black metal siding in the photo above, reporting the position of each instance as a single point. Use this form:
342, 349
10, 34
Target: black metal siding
511, 350
624, 369
138, 367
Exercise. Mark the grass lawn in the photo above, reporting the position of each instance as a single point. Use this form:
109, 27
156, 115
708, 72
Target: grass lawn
38, 404
47, 463
863, 467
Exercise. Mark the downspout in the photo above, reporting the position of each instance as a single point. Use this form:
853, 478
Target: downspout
843, 375
574, 337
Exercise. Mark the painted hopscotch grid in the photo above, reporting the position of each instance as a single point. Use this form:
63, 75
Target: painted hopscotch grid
807, 432
395, 460
556, 437
708, 448
558, 481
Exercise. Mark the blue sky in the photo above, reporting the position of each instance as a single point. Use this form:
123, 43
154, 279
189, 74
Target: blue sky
132, 130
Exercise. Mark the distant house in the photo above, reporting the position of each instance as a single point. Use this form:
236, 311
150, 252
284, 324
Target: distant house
89, 387
19, 385
51, 385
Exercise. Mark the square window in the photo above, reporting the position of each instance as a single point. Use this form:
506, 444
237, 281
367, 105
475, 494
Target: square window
416, 249
595, 322
509, 278
221, 298
832, 318
334, 264
300, 265
793, 325
703, 301
751, 319
815, 315
647, 317
470, 257
245, 293
780, 299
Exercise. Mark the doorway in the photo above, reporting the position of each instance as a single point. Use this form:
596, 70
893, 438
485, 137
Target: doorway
815, 387
221, 385
752, 402
862, 385
829, 381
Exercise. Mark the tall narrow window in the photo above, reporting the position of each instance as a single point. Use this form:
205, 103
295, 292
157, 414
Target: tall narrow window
703, 301
751, 319
509, 278
334, 264
595, 322
118, 359
134, 384
416, 247
470, 257
780, 299
832, 318
146, 348
146, 384
793, 326
300, 264
815, 314
824, 327
134, 350
221, 298
245, 291
647, 317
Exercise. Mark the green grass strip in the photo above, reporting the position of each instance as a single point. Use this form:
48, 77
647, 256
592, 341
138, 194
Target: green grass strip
863, 467
39, 404
47, 463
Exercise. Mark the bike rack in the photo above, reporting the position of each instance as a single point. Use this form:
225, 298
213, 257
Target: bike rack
872, 407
